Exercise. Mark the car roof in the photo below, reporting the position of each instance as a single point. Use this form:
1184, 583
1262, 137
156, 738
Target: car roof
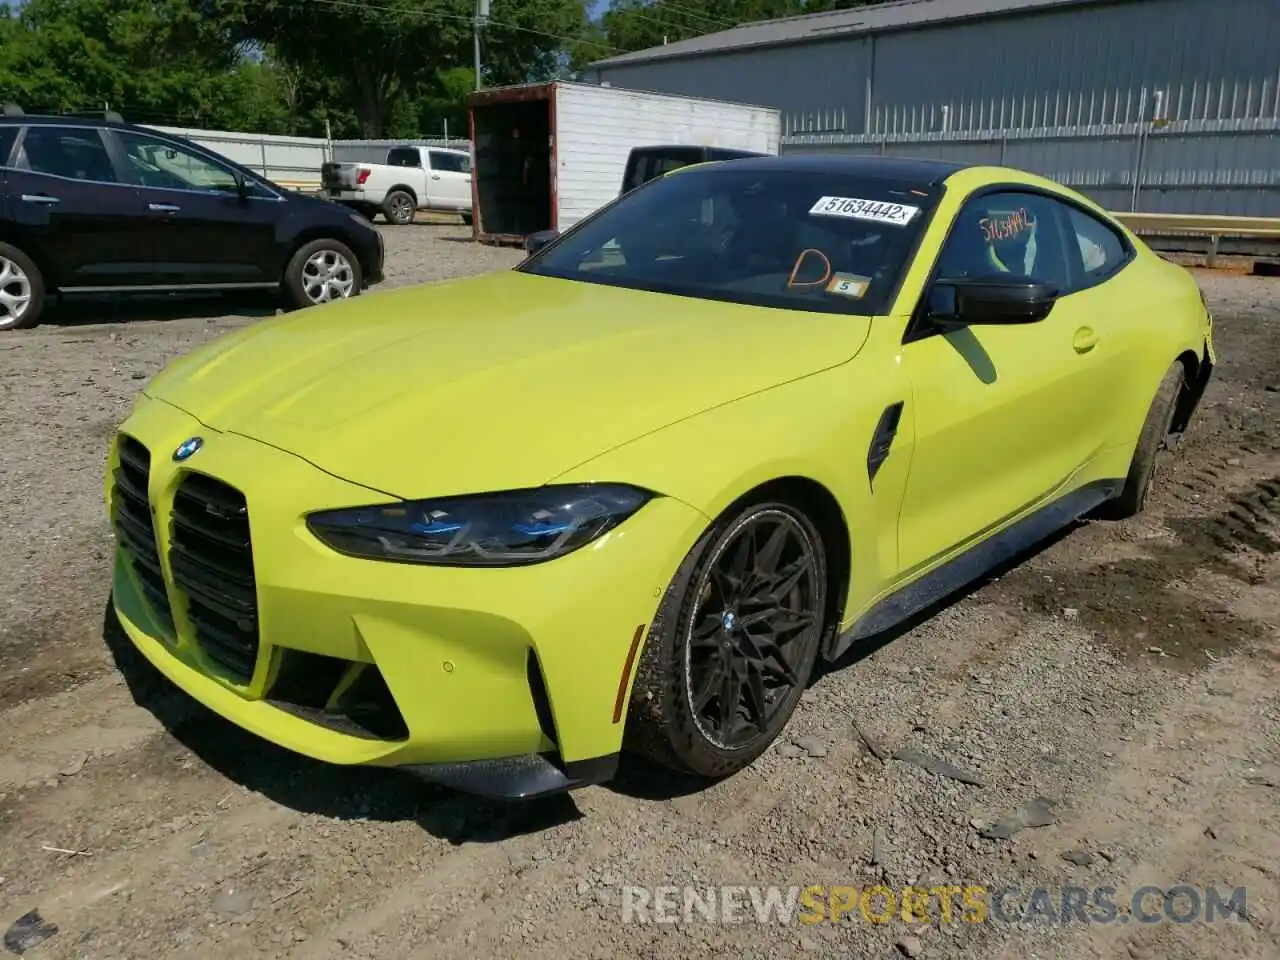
913, 169
42, 119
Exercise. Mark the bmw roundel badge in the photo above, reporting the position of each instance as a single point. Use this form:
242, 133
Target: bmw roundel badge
187, 449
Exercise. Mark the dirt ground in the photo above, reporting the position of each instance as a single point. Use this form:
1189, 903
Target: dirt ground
1123, 685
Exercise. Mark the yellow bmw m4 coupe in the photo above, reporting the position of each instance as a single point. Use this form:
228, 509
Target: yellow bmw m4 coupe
625, 495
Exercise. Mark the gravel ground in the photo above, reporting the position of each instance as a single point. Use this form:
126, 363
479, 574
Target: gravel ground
1119, 689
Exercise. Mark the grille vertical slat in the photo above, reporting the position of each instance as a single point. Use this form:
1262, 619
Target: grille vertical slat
211, 560
135, 532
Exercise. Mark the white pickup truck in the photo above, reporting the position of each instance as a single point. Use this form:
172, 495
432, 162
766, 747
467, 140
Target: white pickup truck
413, 178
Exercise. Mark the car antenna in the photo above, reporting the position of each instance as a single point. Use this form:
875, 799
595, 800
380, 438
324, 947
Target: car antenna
13, 110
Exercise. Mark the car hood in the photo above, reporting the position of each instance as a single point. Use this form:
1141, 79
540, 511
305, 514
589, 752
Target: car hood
501, 381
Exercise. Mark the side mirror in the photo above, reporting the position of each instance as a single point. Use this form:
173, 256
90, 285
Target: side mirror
991, 300
536, 241
242, 186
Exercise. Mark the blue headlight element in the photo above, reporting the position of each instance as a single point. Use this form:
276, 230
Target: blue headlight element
481, 530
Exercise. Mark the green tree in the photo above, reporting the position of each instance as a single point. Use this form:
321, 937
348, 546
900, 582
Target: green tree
396, 59
158, 61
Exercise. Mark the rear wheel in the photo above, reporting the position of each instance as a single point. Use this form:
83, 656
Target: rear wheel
321, 271
734, 643
21, 289
1146, 456
399, 207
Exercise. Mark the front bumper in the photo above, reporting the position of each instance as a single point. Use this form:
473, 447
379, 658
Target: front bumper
502, 681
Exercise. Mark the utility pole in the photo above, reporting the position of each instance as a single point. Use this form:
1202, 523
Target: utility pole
482, 15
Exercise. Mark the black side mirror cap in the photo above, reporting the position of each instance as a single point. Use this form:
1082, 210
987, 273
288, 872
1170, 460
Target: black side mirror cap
536, 241
991, 300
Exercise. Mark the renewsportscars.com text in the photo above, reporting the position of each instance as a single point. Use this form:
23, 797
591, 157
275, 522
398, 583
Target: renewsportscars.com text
815, 904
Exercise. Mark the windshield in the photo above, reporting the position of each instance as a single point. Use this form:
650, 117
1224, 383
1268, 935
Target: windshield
779, 238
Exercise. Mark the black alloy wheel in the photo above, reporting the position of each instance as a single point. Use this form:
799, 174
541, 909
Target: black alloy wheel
735, 643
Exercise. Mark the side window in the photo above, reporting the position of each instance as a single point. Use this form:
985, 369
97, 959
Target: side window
1101, 250
157, 163
404, 157
75, 153
1008, 233
7, 137
445, 162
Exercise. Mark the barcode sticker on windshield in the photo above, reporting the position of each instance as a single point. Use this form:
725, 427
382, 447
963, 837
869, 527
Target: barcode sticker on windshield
898, 214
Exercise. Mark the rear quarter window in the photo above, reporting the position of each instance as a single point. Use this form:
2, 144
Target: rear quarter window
1102, 252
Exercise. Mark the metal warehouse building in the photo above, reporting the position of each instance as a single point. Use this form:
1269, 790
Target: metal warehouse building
1158, 105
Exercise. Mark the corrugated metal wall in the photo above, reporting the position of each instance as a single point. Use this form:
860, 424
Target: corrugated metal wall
1170, 104
1189, 166
816, 86
1176, 59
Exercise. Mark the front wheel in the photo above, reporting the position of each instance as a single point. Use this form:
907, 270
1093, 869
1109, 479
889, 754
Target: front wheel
734, 643
321, 271
21, 289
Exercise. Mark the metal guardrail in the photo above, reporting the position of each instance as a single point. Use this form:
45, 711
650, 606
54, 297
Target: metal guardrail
1210, 234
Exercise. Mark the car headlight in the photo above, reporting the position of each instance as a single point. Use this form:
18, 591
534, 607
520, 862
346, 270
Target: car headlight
481, 530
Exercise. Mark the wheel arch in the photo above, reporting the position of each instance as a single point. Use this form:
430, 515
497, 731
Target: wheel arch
404, 188
821, 506
1196, 371
321, 232
43, 259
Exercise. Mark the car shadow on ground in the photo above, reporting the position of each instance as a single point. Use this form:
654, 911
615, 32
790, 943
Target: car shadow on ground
72, 312
310, 786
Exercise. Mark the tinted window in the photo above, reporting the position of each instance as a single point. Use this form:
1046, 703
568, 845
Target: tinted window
7, 137
449, 162
157, 163
649, 166
78, 154
1101, 250
805, 241
1018, 234
404, 157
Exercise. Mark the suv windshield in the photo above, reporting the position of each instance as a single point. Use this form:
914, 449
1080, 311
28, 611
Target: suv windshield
778, 238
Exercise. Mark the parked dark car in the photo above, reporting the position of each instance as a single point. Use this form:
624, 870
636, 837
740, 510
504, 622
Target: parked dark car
90, 206
649, 163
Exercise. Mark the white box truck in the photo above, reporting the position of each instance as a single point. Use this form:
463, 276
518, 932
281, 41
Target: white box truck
549, 154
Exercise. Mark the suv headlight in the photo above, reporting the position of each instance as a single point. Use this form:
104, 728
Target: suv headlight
481, 530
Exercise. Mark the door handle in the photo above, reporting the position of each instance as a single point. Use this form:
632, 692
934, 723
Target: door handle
163, 207
1084, 340
435, 176
44, 198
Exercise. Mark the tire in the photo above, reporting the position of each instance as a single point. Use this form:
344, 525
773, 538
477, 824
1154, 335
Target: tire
399, 207
322, 271
1151, 442
21, 290
467, 219
665, 721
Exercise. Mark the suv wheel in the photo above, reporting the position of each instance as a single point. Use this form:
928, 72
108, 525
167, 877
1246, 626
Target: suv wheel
321, 271
21, 289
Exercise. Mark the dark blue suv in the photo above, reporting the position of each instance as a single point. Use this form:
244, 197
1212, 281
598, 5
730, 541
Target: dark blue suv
101, 206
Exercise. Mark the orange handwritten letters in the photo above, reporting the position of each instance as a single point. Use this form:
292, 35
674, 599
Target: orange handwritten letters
1007, 226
